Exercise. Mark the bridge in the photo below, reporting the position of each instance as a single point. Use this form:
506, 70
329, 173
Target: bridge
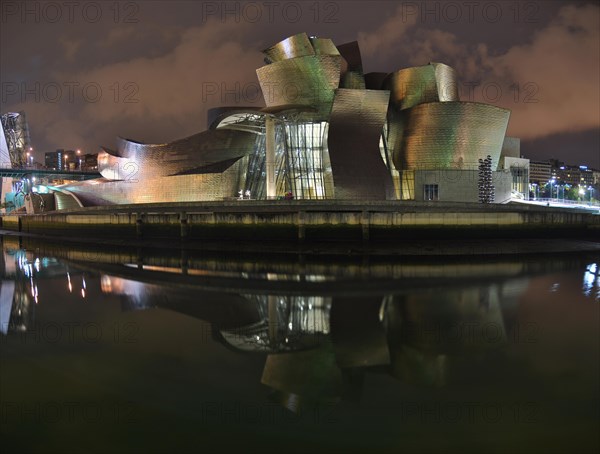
48, 173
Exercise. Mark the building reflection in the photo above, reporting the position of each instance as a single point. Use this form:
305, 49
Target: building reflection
591, 281
319, 348
320, 336
287, 323
20, 272
18, 291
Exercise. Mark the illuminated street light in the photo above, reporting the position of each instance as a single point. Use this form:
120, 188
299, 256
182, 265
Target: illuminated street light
552, 181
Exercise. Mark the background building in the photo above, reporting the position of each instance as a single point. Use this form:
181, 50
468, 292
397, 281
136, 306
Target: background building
540, 172
575, 175
54, 160
70, 160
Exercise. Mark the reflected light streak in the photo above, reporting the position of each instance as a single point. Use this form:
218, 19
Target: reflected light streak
106, 284
591, 278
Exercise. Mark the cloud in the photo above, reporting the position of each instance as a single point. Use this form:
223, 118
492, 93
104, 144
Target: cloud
387, 37
151, 99
561, 64
70, 47
175, 71
551, 84
203, 70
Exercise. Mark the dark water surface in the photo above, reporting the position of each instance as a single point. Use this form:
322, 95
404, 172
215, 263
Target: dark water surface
153, 351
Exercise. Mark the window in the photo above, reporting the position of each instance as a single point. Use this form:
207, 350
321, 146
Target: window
431, 192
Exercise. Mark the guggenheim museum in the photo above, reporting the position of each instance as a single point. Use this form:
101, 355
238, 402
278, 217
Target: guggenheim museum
327, 131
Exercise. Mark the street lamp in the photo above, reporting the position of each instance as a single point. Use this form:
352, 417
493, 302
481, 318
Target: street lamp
552, 181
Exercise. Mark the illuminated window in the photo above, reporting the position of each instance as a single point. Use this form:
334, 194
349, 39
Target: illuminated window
430, 192
407, 184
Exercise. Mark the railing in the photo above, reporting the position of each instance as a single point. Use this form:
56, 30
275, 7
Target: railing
556, 201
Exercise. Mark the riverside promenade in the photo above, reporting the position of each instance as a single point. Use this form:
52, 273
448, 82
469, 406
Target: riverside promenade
308, 221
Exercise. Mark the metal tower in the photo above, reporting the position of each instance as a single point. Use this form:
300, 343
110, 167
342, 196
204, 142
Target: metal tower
16, 133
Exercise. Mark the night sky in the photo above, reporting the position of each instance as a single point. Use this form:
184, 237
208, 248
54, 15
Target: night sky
86, 72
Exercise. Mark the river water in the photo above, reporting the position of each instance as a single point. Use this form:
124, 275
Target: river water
138, 350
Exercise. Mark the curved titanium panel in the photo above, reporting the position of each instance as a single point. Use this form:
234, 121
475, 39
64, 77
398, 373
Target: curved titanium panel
160, 189
352, 73
323, 46
511, 147
351, 53
447, 135
216, 115
353, 79
303, 81
116, 168
355, 126
198, 154
447, 82
293, 47
374, 81
409, 87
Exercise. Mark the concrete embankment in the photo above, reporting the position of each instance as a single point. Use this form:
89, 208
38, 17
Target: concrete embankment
310, 221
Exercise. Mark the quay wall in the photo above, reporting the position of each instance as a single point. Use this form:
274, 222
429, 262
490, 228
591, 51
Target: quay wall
295, 220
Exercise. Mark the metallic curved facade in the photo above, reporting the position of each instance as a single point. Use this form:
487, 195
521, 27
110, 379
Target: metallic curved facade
323, 46
352, 75
409, 87
211, 151
375, 81
332, 133
293, 47
179, 188
303, 81
448, 135
355, 126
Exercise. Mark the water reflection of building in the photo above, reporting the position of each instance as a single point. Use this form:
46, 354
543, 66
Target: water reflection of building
16, 308
287, 323
319, 347
20, 272
591, 281
319, 343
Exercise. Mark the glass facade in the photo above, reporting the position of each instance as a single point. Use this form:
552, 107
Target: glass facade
302, 167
